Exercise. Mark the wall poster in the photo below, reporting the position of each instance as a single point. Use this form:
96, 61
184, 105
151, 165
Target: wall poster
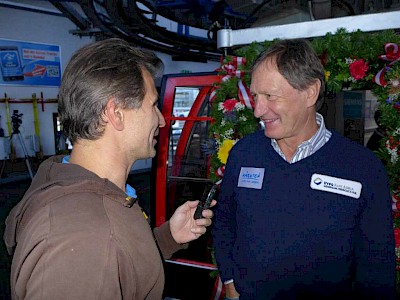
23, 63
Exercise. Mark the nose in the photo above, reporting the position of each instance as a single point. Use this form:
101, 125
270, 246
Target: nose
161, 120
260, 107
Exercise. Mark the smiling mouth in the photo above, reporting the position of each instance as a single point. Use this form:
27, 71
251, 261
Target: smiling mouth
269, 121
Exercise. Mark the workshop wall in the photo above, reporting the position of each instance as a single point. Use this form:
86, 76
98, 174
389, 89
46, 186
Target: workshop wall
36, 27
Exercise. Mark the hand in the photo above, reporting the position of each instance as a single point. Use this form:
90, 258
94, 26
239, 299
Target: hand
230, 291
184, 228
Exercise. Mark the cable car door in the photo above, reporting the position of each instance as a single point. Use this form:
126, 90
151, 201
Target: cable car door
182, 174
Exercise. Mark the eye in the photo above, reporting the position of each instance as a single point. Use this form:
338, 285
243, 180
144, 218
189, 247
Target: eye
271, 97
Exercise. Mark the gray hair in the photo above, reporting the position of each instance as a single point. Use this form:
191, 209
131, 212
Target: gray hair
297, 62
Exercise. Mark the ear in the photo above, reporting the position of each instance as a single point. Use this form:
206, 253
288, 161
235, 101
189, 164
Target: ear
114, 115
313, 93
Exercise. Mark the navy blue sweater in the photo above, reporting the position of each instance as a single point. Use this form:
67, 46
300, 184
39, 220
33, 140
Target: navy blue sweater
286, 240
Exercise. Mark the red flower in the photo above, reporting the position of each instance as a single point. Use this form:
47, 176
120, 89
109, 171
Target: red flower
397, 107
397, 236
358, 69
323, 58
392, 143
229, 105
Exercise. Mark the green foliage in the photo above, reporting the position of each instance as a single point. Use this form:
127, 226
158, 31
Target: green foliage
342, 46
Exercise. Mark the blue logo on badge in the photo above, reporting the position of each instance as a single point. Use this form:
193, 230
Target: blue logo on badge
317, 181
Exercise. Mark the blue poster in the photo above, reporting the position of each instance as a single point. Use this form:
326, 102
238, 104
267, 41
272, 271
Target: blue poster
23, 63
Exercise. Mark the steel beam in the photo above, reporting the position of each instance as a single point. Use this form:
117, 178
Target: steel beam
227, 38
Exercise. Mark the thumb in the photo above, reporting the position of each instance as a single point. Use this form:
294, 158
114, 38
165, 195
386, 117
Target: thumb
193, 203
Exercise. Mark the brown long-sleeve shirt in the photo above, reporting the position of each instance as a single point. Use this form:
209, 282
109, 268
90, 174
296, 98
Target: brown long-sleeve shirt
72, 238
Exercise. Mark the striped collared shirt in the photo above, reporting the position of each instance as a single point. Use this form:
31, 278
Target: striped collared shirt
309, 147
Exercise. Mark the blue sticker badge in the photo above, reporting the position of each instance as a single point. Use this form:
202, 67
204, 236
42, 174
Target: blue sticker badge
251, 178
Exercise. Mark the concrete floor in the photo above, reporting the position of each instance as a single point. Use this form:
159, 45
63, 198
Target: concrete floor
10, 194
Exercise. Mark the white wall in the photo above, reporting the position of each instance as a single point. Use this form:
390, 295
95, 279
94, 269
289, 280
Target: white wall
36, 27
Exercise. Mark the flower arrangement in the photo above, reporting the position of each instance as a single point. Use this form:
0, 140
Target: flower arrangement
232, 112
351, 60
389, 98
356, 60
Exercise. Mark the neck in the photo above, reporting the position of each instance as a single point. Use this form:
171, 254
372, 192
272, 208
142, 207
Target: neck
287, 149
102, 160
289, 145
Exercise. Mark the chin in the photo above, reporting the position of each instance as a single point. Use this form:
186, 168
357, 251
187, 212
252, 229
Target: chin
271, 135
152, 153
268, 133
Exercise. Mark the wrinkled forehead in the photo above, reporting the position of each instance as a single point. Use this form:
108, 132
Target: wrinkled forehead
267, 65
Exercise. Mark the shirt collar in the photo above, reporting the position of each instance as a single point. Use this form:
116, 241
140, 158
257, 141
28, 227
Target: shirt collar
309, 147
130, 191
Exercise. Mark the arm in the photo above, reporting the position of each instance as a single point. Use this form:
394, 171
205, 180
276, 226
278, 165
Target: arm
230, 291
374, 243
224, 229
182, 228
166, 243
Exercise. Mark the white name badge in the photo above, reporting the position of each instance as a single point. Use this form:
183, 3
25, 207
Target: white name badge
336, 185
251, 178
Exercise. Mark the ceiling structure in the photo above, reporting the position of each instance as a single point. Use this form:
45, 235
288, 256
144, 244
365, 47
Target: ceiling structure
186, 29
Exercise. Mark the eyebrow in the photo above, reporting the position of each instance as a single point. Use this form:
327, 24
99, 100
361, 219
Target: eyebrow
263, 93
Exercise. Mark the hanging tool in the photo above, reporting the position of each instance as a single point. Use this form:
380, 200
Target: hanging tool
36, 122
8, 115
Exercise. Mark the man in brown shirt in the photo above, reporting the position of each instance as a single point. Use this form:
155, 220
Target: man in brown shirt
78, 232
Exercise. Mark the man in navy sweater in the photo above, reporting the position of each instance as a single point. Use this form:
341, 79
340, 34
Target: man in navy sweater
303, 212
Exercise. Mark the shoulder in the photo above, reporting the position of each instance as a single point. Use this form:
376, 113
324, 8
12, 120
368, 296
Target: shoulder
254, 140
68, 204
352, 153
251, 149
351, 149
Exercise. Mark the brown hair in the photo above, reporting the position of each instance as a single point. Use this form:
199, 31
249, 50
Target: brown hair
107, 69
